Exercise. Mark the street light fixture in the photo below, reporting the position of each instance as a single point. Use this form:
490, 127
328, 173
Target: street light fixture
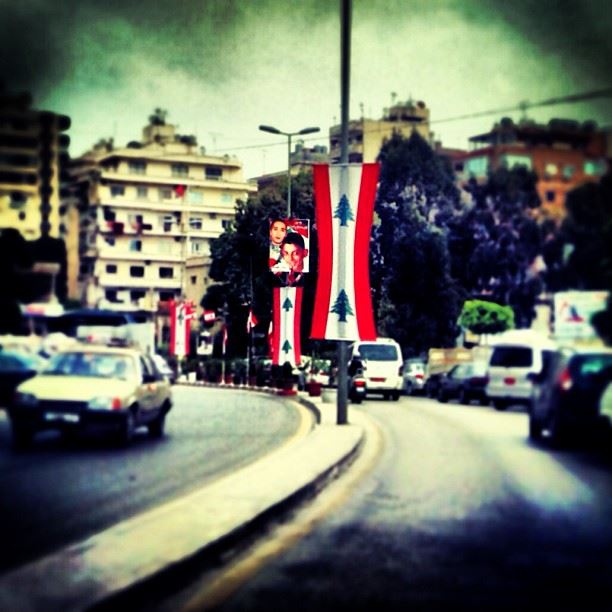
273, 130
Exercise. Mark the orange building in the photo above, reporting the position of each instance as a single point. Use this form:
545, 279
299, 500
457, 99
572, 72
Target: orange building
564, 154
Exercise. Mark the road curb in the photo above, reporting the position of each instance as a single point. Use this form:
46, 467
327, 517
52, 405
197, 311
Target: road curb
196, 529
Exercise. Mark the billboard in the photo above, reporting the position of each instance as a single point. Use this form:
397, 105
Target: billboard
289, 241
573, 311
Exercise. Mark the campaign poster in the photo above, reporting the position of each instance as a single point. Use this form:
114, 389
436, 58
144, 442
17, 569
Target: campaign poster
289, 246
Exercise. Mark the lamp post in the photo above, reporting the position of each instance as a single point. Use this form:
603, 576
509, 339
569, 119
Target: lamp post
273, 130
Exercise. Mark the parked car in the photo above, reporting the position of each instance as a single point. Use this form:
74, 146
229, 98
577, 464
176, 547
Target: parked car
15, 368
90, 389
465, 382
516, 354
566, 394
413, 376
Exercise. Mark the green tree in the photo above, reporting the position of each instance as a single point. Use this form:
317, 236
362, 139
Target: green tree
416, 300
482, 317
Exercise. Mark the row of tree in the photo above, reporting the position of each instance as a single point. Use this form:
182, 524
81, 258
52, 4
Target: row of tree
434, 247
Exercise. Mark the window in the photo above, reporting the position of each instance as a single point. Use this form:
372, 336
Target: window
141, 193
109, 215
180, 170
136, 294
551, 169
568, 171
111, 295
226, 198
197, 246
212, 215
510, 161
111, 268
193, 279
550, 196
166, 296
477, 166
137, 271
117, 190
135, 245
165, 194
137, 167
213, 173
195, 196
226, 223
166, 272
195, 223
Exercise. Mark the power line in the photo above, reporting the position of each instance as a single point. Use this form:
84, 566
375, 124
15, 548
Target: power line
521, 106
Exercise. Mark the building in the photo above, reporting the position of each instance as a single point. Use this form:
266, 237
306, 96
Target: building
148, 212
301, 159
34, 180
563, 153
366, 136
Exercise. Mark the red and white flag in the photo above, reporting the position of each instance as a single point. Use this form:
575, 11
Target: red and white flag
251, 322
286, 315
181, 314
344, 200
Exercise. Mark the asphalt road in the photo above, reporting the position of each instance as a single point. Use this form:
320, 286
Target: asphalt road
460, 512
60, 492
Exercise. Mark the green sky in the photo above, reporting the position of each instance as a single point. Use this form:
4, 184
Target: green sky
223, 67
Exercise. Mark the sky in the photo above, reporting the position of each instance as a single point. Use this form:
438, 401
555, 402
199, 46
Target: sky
223, 67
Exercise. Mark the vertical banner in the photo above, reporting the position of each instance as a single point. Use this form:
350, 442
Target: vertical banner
180, 325
286, 315
343, 301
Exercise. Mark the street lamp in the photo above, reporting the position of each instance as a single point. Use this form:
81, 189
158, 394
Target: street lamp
273, 130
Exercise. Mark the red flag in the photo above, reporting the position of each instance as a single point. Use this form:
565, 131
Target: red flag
251, 321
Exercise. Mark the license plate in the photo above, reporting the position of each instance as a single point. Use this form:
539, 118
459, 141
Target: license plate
61, 416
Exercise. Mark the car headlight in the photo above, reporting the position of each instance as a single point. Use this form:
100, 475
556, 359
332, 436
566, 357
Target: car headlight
26, 399
105, 403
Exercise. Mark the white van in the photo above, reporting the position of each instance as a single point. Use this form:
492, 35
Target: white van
382, 365
515, 354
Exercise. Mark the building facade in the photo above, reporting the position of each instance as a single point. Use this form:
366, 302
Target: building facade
34, 178
366, 136
563, 153
148, 212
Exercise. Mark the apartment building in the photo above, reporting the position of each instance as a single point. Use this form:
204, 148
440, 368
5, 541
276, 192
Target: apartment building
366, 136
564, 154
34, 180
148, 213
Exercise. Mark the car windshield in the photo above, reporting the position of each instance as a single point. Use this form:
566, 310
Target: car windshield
10, 362
378, 352
101, 365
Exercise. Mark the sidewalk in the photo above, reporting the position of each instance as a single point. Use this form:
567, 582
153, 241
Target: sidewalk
143, 547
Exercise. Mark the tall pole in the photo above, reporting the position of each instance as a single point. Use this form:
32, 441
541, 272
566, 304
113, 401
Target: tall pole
345, 66
288, 176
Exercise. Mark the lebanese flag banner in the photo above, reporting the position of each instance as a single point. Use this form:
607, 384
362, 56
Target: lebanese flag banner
343, 301
180, 326
286, 316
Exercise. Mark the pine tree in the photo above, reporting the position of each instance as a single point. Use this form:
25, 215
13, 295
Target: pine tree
342, 306
343, 211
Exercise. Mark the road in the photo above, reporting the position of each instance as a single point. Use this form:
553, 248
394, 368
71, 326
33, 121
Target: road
460, 511
58, 492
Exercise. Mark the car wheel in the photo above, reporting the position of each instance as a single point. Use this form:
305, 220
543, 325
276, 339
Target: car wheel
557, 430
395, 396
128, 427
442, 397
21, 436
156, 427
535, 429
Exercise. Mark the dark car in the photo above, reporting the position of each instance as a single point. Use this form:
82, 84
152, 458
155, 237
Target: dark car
566, 394
466, 382
15, 367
